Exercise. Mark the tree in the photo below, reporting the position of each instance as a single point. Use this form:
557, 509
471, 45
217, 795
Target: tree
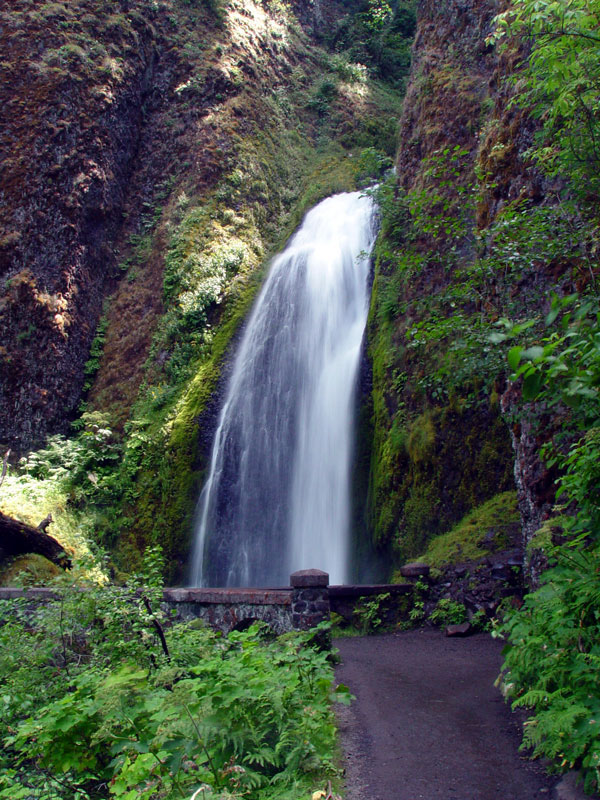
560, 83
378, 18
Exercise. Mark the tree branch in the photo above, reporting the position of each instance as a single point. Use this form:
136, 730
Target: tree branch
157, 627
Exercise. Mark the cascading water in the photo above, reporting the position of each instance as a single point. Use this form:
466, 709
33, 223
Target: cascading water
277, 495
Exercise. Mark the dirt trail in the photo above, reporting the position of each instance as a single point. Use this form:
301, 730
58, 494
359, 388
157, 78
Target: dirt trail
428, 723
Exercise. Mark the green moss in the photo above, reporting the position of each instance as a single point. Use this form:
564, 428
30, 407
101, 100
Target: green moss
421, 438
420, 517
490, 523
28, 570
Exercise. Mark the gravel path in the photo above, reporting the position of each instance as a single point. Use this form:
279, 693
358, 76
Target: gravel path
428, 722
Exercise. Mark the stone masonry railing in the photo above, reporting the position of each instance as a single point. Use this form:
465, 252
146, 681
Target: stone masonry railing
308, 601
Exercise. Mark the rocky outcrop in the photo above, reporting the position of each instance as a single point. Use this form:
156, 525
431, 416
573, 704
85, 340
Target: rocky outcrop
70, 117
449, 82
462, 161
480, 585
535, 482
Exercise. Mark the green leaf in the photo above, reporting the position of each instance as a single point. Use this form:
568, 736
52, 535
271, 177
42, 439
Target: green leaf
532, 384
532, 353
522, 326
514, 356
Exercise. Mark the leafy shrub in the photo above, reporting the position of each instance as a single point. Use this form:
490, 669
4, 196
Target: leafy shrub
448, 612
106, 700
348, 71
553, 652
323, 96
417, 613
481, 622
368, 613
84, 464
371, 164
552, 660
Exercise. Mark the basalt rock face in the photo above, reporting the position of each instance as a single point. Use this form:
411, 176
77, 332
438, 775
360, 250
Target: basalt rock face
462, 162
450, 75
102, 108
70, 119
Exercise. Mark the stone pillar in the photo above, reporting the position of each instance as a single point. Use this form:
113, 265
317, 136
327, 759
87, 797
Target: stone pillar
310, 598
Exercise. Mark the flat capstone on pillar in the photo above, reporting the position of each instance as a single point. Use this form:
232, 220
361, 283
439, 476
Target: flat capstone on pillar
310, 598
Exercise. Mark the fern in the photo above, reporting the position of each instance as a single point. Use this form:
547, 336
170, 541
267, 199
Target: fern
246, 715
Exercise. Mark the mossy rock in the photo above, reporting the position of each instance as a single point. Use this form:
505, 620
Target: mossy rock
488, 528
30, 569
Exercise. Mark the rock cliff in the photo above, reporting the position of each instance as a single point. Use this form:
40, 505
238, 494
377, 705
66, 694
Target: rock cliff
154, 154
449, 431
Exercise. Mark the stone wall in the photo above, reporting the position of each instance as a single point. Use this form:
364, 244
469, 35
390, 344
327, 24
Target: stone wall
232, 609
308, 601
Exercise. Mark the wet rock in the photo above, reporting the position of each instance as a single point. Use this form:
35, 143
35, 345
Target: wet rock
569, 788
464, 629
489, 539
500, 572
415, 570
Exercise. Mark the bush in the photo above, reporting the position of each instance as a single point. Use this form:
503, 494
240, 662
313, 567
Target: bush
448, 612
106, 699
553, 651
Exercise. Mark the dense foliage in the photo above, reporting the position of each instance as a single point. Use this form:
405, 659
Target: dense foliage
100, 697
553, 650
562, 81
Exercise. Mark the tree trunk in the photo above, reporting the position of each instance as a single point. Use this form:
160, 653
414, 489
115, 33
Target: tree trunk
17, 538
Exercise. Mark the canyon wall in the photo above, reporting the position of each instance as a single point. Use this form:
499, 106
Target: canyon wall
449, 429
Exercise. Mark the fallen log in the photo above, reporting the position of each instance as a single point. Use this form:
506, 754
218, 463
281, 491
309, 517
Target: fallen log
17, 538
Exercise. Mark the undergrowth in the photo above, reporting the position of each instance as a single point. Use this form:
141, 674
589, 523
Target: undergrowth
553, 653
102, 697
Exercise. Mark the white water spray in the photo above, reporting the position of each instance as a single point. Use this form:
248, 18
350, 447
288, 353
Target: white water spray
277, 496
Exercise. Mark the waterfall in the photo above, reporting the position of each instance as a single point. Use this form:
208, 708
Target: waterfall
277, 495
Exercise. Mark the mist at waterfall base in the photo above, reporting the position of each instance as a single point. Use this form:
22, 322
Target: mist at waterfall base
277, 495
